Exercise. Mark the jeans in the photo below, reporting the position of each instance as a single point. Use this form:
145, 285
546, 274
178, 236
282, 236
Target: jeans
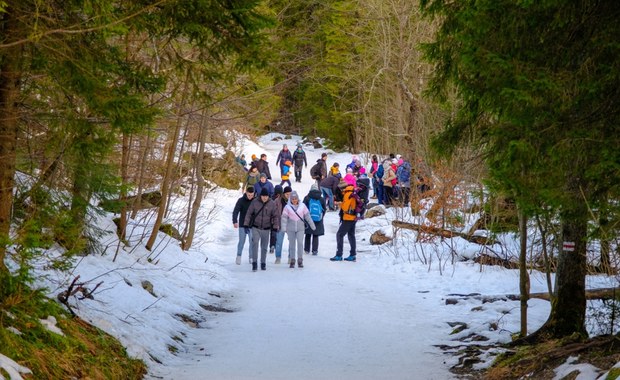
243, 232
279, 243
379, 192
328, 194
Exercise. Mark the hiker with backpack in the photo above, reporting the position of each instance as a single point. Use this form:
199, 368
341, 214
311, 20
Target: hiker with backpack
363, 190
263, 166
295, 218
319, 170
316, 204
262, 217
350, 208
299, 160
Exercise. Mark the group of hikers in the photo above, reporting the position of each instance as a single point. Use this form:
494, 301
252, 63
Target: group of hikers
265, 213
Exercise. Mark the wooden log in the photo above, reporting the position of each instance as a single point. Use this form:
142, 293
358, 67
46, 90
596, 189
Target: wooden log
440, 232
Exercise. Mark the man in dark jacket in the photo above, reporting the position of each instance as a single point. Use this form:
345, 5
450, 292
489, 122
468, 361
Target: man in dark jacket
283, 156
263, 166
319, 171
241, 208
319, 230
262, 216
299, 159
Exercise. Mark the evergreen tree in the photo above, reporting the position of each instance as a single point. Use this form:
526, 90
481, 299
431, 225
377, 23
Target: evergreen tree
537, 88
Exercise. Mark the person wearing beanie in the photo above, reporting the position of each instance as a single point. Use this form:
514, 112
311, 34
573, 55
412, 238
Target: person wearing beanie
263, 183
295, 217
350, 178
284, 156
262, 217
315, 203
238, 219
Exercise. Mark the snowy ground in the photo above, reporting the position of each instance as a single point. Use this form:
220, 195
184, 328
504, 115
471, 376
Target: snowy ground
381, 317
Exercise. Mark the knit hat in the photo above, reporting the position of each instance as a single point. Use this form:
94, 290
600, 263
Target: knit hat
294, 195
287, 189
250, 190
278, 189
264, 192
362, 170
263, 175
254, 157
314, 186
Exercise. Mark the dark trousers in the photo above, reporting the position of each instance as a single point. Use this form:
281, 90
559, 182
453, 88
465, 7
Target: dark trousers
347, 227
379, 192
388, 195
273, 238
315, 243
298, 173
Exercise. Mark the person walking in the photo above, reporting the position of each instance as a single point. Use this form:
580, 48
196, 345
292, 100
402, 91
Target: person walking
286, 173
262, 217
263, 183
283, 156
299, 160
348, 218
263, 166
238, 219
295, 217
315, 203
277, 197
319, 171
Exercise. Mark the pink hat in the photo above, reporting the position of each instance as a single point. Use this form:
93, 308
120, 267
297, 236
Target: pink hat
362, 170
400, 162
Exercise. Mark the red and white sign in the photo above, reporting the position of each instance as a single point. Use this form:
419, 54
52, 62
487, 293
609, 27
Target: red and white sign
568, 246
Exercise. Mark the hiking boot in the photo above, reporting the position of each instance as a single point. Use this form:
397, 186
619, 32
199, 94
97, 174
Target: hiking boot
277, 260
314, 253
272, 249
336, 258
350, 258
238, 260
307, 252
300, 263
254, 267
263, 266
292, 265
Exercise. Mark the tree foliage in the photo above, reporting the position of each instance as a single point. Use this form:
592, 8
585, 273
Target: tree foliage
537, 89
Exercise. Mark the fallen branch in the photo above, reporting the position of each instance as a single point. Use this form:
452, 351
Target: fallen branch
592, 294
441, 232
73, 289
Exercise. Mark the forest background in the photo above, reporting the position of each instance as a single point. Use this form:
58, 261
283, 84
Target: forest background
102, 102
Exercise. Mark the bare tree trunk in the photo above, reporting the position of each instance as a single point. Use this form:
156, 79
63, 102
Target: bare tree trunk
146, 146
165, 186
9, 91
524, 278
200, 181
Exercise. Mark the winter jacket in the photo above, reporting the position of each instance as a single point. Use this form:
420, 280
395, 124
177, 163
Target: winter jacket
258, 186
241, 208
299, 158
349, 203
320, 228
291, 221
263, 167
330, 182
264, 215
283, 156
322, 168
363, 185
252, 179
389, 177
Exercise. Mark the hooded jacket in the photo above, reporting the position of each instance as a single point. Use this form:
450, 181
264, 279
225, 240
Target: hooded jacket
293, 217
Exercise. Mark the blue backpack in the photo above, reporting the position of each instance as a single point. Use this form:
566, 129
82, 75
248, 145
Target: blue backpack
316, 210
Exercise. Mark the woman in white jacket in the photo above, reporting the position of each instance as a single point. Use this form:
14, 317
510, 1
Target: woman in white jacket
295, 215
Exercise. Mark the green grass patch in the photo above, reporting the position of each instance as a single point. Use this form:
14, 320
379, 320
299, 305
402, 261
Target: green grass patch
83, 352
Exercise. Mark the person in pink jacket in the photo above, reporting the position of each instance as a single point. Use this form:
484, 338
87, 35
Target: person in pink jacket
295, 217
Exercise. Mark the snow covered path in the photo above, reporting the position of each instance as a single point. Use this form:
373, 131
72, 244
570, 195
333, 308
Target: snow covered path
325, 321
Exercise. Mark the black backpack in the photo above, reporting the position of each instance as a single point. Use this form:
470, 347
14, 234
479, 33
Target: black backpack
315, 171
